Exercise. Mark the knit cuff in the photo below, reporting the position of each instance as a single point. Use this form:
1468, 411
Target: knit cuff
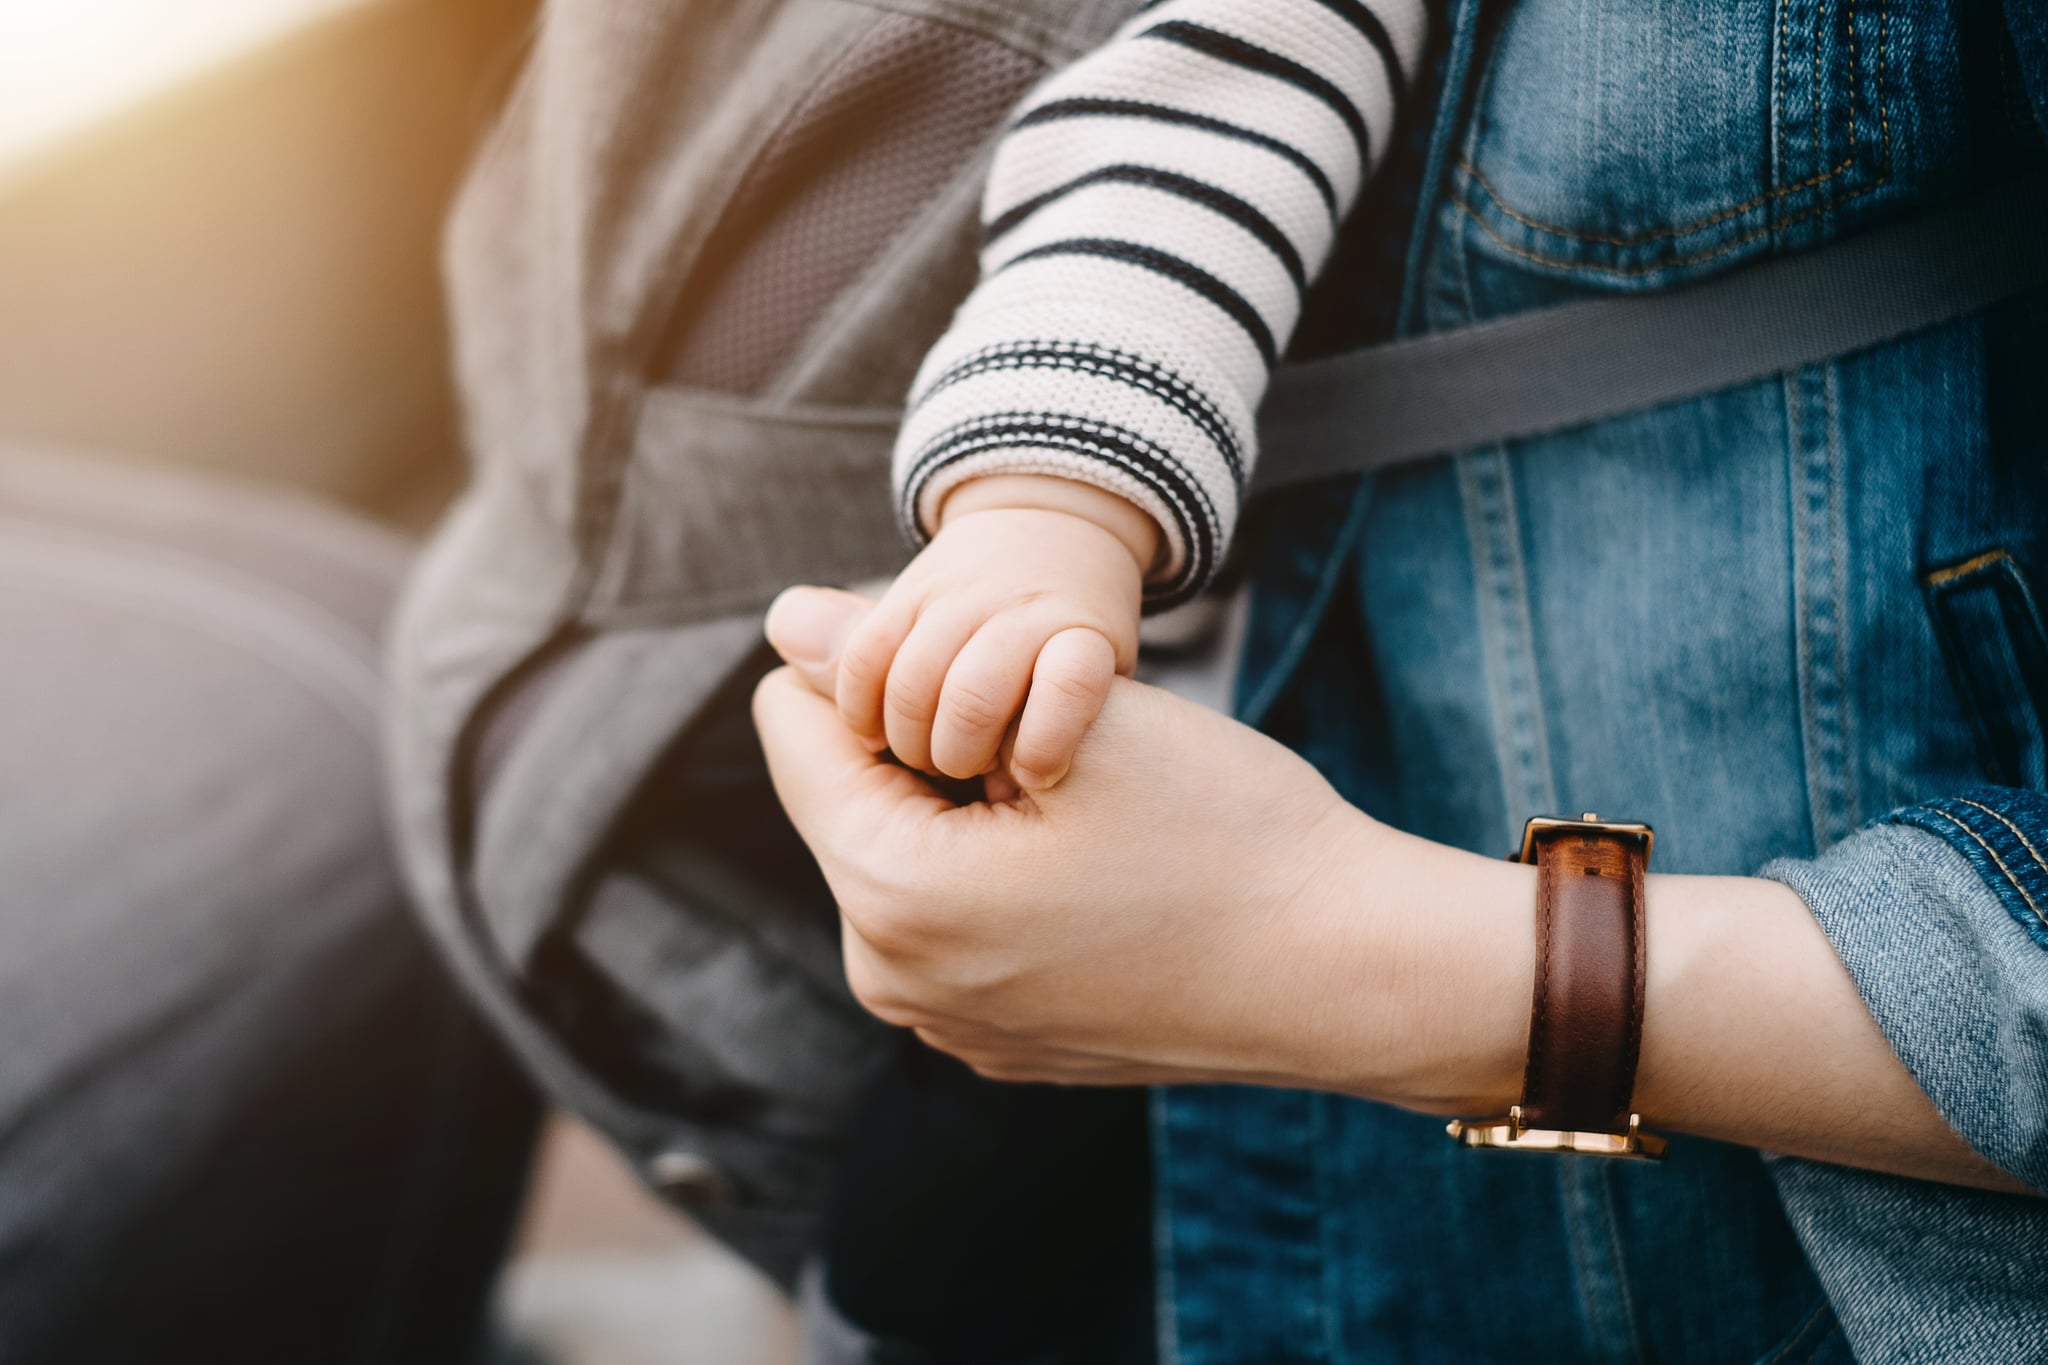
1113, 418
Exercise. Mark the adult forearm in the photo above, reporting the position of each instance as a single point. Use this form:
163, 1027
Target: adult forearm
1754, 1032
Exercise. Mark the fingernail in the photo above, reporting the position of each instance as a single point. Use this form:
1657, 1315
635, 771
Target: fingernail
1031, 781
806, 624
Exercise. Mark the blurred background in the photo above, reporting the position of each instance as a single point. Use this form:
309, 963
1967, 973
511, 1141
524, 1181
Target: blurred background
219, 225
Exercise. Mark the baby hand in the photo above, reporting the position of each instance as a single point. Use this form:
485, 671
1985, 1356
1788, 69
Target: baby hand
1027, 600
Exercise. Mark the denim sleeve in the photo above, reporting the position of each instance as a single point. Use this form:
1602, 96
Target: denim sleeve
1940, 913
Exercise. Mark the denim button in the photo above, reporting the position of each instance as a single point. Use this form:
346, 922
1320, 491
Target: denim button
689, 1180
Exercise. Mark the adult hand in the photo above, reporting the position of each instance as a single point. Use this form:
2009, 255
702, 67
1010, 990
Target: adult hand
1194, 903
1190, 904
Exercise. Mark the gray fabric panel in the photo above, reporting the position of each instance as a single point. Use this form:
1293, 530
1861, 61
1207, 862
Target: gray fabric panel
481, 599
1576, 363
549, 855
729, 500
866, 150
608, 716
683, 887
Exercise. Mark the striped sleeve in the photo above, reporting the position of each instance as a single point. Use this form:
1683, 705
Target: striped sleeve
1152, 218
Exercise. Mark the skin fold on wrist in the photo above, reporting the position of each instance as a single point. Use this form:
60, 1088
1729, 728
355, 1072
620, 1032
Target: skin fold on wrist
1130, 524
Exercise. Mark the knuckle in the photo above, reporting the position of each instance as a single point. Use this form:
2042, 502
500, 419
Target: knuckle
867, 652
859, 661
909, 698
1077, 687
1046, 759
859, 684
860, 681
956, 758
973, 707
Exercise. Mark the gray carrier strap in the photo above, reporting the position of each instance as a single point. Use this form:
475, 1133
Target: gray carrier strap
1561, 367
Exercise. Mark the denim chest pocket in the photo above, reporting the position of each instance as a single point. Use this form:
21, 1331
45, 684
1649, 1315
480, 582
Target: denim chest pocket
1989, 623
1639, 143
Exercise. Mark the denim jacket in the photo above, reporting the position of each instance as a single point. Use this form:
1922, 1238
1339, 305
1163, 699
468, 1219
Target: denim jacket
1795, 625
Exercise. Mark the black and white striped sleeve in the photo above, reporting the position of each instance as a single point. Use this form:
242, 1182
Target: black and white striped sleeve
1152, 218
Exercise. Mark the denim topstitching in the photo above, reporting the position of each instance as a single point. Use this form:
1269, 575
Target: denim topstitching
1979, 840
1769, 198
1821, 606
2017, 832
1973, 824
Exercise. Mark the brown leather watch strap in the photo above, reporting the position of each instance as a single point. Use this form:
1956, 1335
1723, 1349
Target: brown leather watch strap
1586, 1019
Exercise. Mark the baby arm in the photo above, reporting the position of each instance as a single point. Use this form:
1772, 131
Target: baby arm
1078, 443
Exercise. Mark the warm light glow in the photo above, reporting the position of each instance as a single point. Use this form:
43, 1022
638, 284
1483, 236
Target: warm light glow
67, 65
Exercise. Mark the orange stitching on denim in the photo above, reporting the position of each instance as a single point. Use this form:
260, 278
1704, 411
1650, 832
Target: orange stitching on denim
1654, 266
2025, 842
1628, 270
2015, 881
1966, 568
1855, 68
1813, 93
1884, 118
1768, 196
1638, 239
1778, 98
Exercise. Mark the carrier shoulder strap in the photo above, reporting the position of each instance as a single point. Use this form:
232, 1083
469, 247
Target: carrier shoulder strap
1556, 368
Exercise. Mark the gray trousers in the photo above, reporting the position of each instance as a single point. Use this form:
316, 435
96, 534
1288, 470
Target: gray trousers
242, 1115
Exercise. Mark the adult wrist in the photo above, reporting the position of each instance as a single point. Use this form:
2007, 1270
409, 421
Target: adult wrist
1421, 975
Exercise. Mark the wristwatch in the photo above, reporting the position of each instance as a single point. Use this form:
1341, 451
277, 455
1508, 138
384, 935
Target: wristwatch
1586, 1017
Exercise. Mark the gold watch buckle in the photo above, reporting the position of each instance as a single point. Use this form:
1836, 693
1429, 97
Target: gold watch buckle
1511, 1134
1590, 821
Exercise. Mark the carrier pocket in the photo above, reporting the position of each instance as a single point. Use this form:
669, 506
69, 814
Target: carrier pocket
1989, 621
728, 499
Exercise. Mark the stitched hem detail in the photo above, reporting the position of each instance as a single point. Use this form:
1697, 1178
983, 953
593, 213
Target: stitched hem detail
2002, 831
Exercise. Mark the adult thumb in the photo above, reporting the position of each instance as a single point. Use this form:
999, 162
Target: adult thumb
835, 789
809, 628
